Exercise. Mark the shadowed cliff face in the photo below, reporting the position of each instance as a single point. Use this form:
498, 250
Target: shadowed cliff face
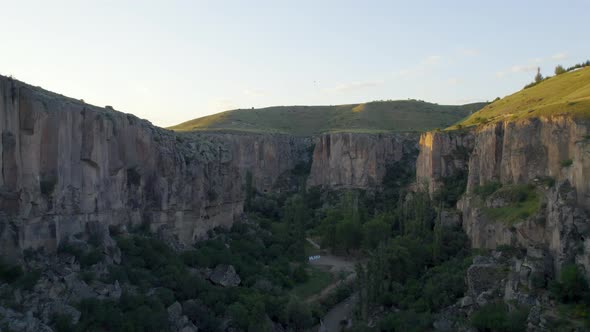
66, 164
524, 152
350, 160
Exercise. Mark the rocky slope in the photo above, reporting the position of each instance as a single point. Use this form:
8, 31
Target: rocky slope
550, 155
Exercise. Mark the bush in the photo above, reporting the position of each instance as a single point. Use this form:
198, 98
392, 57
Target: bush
572, 286
406, 321
496, 317
522, 202
559, 70
47, 185
17, 277
9, 273
133, 177
452, 189
566, 163
487, 189
62, 323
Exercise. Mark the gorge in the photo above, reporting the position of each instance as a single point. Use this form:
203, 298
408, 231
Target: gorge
71, 168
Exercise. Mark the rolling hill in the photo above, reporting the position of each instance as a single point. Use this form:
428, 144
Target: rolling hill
379, 116
568, 93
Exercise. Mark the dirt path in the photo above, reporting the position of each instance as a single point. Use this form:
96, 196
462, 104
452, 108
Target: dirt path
342, 311
313, 243
336, 266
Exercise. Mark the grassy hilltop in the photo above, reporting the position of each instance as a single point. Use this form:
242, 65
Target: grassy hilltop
379, 116
568, 93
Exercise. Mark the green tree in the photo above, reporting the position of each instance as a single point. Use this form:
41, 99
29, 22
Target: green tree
298, 314
572, 285
375, 231
538, 77
559, 70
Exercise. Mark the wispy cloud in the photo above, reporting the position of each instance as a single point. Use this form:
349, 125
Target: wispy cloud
517, 69
421, 67
354, 86
531, 65
432, 60
560, 56
469, 52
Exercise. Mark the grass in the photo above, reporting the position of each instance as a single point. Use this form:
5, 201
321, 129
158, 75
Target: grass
373, 117
317, 281
523, 201
567, 93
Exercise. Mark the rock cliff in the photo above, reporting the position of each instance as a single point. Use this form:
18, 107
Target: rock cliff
67, 165
545, 158
351, 160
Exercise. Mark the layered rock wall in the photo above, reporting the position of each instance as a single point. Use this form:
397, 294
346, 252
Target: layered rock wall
351, 160
551, 154
67, 167
66, 164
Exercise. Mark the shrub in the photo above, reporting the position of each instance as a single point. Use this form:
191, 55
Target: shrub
452, 189
559, 70
133, 177
406, 321
496, 317
572, 285
487, 189
522, 202
62, 323
566, 163
47, 185
9, 273
300, 274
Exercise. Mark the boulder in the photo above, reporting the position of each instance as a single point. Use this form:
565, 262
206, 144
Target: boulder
225, 275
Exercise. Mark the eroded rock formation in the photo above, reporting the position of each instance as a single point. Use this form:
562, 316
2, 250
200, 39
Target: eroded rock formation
548, 154
66, 165
350, 160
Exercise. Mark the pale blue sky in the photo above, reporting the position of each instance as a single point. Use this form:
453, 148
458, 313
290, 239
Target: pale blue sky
171, 61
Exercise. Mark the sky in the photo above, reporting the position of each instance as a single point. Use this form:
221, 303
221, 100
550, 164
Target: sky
172, 61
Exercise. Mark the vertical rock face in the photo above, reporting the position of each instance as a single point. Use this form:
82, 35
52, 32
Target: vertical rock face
524, 152
67, 167
66, 164
442, 154
518, 152
351, 160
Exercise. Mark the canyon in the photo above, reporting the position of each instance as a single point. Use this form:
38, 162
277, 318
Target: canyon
69, 167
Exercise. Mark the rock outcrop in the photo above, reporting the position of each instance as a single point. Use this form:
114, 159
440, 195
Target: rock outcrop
350, 160
67, 165
520, 151
442, 154
549, 154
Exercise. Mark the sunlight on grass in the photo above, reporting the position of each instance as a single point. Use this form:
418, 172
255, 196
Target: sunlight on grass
373, 117
565, 94
523, 202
